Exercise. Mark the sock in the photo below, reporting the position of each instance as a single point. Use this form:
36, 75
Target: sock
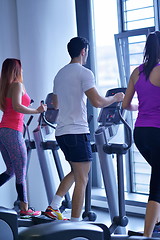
56, 202
73, 219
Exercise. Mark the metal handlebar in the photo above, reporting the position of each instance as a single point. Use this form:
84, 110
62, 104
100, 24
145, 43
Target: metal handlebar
26, 127
42, 117
45, 121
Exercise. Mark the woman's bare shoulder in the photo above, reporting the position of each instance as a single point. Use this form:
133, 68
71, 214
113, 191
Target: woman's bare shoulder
136, 71
15, 87
135, 75
16, 84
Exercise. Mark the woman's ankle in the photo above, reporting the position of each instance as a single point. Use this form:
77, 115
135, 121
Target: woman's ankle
23, 206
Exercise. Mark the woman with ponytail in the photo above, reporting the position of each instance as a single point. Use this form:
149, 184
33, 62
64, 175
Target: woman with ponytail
145, 81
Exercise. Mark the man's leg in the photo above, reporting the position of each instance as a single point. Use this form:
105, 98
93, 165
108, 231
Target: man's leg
75, 147
52, 211
65, 184
80, 170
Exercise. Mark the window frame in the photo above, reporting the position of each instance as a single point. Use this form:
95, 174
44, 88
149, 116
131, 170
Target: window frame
122, 49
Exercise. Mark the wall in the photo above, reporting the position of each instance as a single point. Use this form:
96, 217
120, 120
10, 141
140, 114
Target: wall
36, 32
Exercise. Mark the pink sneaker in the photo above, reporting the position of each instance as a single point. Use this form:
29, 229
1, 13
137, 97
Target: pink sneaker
30, 212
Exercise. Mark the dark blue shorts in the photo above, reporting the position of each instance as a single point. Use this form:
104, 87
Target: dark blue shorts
76, 147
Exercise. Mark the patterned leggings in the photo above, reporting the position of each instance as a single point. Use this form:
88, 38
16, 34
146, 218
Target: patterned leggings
13, 150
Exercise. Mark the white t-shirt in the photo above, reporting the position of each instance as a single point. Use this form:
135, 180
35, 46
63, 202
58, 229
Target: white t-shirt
70, 85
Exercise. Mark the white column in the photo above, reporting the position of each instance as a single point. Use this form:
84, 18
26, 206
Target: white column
44, 27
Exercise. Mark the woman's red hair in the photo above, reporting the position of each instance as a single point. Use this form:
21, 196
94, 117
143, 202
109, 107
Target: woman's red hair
11, 72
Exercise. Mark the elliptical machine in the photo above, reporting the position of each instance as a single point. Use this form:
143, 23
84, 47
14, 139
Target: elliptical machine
43, 137
110, 119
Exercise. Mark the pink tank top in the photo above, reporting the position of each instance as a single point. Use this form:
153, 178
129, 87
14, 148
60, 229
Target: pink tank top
11, 118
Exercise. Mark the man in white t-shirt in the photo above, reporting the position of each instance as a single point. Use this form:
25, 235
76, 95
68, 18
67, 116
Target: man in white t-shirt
72, 85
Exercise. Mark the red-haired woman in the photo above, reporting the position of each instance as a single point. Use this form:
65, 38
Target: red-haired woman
14, 103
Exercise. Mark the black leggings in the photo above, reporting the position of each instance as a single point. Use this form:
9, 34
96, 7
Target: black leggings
147, 140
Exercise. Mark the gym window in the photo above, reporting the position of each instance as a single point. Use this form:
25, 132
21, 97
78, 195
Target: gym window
120, 28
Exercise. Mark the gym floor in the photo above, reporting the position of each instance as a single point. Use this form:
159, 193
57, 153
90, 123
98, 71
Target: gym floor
134, 224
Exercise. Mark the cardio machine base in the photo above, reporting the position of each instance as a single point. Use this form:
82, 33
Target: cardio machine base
62, 230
